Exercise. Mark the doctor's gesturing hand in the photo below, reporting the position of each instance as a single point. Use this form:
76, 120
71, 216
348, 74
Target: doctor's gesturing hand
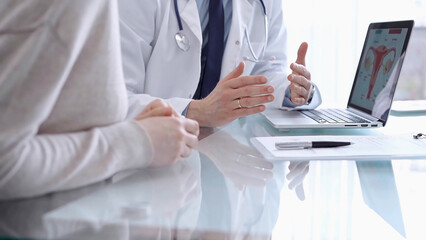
301, 88
171, 135
234, 96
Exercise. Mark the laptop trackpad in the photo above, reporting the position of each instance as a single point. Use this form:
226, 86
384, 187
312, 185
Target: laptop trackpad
282, 117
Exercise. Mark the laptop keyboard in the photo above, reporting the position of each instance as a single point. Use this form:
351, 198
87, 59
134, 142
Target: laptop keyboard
333, 116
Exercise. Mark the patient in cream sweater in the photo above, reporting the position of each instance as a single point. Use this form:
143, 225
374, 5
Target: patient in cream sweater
63, 102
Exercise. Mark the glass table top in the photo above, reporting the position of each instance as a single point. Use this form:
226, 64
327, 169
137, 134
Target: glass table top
227, 190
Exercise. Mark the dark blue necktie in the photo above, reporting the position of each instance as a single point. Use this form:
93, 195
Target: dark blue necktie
212, 51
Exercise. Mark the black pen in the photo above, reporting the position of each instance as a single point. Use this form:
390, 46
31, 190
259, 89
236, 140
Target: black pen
306, 145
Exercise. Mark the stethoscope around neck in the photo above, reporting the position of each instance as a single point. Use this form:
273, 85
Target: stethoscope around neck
182, 41
184, 44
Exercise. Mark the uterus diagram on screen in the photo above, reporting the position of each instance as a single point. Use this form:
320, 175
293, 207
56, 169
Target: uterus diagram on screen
376, 59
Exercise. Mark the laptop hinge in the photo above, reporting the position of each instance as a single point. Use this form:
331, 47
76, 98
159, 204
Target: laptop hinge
363, 114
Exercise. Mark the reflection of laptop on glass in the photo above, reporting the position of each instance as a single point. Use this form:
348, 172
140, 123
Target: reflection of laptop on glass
373, 88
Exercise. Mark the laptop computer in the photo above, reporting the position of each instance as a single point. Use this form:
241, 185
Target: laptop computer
372, 91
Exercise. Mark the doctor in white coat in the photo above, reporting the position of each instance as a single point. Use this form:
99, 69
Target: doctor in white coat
162, 43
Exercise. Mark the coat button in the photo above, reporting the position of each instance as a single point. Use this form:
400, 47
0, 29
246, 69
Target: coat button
237, 43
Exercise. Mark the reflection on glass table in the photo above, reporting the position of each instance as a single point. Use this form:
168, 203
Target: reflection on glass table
250, 187
240, 163
23, 219
161, 202
238, 190
296, 175
380, 193
231, 151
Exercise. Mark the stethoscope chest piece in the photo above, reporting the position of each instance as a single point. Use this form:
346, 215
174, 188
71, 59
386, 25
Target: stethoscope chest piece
182, 41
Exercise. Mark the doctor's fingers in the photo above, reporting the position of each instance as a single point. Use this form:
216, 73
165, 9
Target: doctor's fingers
298, 91
300, 80
252, 90
299, 69
301, 53
245, 81
235, 73
249, 102
298, 99
242, 112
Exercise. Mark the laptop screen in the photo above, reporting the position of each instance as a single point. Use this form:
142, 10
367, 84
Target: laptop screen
379, 67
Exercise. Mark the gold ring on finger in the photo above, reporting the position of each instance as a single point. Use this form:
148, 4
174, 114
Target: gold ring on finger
239, 103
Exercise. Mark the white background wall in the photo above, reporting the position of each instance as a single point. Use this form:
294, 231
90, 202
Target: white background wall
335, 31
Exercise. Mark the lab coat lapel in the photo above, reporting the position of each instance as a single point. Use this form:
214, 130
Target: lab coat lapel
189, 15
242, 11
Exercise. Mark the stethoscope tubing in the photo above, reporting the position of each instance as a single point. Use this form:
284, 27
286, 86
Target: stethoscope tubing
183, 42
179, 19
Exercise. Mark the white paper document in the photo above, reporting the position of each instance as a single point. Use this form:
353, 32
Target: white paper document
363, 147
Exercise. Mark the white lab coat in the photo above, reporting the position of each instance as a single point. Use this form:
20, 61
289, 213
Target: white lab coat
155, 67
